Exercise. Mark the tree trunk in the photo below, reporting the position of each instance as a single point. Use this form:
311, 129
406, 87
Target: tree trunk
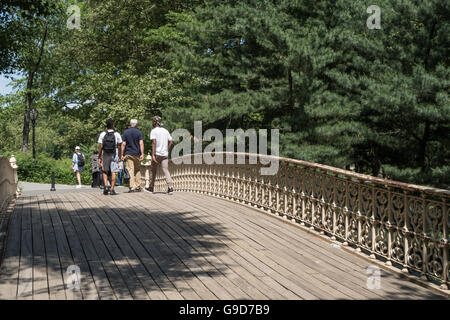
423, 146
26, 115
29, 96
291, 94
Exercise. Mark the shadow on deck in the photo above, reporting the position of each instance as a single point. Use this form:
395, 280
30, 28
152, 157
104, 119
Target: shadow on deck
185, 246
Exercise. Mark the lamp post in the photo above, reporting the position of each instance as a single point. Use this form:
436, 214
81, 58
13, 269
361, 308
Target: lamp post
33, 117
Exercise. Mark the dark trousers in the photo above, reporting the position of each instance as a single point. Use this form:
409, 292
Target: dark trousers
96, 179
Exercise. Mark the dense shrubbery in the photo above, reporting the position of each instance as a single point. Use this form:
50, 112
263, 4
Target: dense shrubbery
40, 170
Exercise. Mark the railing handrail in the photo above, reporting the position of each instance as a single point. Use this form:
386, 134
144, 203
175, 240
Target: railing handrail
404, 224
358, 176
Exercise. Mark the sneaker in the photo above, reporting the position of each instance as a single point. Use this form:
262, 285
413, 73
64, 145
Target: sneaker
149, 189
170, 191
138, 190
113, 192
105, 191
78, 186
131, 191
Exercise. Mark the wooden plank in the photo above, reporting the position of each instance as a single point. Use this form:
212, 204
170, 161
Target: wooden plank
233, 260
236, 273
93, 286
40, 279
142, 199
173, 287
266, 266
223, 287
56, 282
244, 217
280, 261
164, 250
100, 252
25, 286
213, 289
336, 263
102, 279
65, 255
151, 287
169, 268
114, 252
320, 280
9, 269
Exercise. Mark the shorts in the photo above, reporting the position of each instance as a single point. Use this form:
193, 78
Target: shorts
110, 163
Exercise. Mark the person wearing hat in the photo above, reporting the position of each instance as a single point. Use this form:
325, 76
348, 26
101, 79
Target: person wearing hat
133, 154
161, 144
78, 164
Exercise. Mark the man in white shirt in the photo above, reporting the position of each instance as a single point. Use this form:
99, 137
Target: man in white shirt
161, 144
109, 153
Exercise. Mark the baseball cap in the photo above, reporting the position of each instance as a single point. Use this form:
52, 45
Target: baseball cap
157, 119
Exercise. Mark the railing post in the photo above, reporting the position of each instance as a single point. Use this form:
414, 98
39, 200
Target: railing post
334, 206
346, 212
13, 163
359, 215
294, 203
445, 247
424, 237
405, 232
303, 197
390, 227
373, 222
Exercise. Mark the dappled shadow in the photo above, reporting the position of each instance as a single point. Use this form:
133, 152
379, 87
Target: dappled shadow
124, 250
138, 246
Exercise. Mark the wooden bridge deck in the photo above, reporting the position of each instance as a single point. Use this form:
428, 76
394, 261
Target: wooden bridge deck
184, 246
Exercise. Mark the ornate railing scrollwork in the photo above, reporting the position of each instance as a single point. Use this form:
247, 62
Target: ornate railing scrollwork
403, 224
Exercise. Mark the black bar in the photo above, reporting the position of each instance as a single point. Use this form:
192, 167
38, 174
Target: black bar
53, 181
34, 142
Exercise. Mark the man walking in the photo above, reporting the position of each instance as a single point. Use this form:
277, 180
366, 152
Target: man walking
161, 144
133, 150
109, 153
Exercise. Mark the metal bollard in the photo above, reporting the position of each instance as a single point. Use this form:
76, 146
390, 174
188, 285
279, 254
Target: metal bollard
53, 182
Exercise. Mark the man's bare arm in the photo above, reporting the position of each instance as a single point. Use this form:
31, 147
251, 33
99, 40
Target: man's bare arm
100, 153
154, 150
124, 144
119, 149
141, 145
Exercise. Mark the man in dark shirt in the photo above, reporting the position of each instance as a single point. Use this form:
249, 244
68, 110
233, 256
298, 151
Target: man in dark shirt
133, 146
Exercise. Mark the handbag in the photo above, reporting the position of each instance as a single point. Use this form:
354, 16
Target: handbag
126, 174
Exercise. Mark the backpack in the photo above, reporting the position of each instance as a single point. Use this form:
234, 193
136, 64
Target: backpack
109, 142
80, 159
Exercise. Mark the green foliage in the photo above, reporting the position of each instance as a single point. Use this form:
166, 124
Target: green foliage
340, 94
40, 170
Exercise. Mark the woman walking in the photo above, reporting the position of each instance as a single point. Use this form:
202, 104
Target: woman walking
78, 164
